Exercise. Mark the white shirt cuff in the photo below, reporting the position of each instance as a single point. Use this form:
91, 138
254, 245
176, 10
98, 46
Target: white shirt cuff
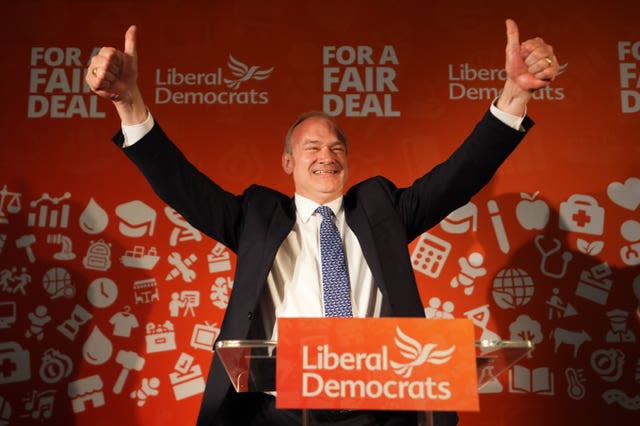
135, 132
513, 121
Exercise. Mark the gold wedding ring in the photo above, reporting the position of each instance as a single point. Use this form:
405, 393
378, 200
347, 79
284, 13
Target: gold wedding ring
94, 72
549, 61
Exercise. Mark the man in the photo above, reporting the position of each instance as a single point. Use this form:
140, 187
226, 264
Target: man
276, 238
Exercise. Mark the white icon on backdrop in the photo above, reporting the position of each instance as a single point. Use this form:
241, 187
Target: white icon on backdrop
140, 258
15, 363
93, 219
439, 310
630, 253
608, 364
181, 267
66, 246
186, 301
38, 405
102, 292
123, 322
98, 256
97, 349
25, 242
148, 388
55, 366
128, 360
526, 328
220, 292
619, 332
546, 253
581, 213
86, 393
498, 226
204, 336
594, 284
625, 194
622, 399
592, 248
480, 318
430, 255
7, 314
51, 215
136, 219
557, 307
57, 282
160, 337
219, 259
11, 282
146, 291
183, 231
470, 269
39, 318
186, 378
538, 380
512, 287
3, 241
10, 201
71, 326
461, 220
488, 382
532, 213
563, 336
575, 383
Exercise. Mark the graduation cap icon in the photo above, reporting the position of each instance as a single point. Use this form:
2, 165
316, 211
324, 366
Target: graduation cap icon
136, 219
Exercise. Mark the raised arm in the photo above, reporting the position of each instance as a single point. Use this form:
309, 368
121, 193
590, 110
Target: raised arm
113, 75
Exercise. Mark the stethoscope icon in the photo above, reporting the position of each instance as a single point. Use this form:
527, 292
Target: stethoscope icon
566, 257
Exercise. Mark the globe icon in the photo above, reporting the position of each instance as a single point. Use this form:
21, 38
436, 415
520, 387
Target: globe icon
512, 287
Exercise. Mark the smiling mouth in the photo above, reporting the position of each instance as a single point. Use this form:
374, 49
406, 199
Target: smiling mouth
325, 172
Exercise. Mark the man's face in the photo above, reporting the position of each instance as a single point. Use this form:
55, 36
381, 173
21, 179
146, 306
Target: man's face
318, 161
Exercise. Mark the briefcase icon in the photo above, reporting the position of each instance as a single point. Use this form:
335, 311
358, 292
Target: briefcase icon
581, 213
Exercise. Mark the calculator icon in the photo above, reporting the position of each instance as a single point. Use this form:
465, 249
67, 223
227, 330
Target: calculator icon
430, 254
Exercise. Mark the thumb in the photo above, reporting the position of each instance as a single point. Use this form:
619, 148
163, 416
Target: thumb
130, 41
513, 35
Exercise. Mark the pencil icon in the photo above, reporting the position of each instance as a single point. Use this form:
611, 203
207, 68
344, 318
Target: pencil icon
498, 226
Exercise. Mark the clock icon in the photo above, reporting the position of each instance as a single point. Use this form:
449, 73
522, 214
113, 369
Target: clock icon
102, 292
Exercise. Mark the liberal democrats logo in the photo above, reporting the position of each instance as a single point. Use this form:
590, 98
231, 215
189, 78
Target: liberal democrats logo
207, 88
244, 73
417, 354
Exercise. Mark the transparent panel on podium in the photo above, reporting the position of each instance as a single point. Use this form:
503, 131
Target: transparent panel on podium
251, 364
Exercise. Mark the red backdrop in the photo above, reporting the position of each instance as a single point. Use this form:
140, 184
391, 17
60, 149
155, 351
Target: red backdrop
86, 247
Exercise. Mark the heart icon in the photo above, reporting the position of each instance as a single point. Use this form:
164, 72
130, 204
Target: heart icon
626, 195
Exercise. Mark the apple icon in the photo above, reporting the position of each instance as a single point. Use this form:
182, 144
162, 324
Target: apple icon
532, 213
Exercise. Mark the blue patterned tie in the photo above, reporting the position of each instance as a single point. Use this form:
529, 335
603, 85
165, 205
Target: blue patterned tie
335, 277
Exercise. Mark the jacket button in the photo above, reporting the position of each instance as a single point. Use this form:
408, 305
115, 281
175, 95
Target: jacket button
251, 315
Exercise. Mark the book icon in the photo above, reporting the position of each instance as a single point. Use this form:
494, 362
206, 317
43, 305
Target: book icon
523, 380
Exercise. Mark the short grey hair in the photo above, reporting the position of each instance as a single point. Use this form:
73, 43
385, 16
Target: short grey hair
288, 144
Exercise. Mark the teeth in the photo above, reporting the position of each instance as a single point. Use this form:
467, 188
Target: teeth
322, 172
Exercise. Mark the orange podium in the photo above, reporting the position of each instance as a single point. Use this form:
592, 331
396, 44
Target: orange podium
412, 364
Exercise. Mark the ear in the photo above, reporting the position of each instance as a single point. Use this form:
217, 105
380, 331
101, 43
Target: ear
287, 163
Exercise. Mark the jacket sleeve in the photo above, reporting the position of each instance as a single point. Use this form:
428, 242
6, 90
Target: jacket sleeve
203, 203
452, 183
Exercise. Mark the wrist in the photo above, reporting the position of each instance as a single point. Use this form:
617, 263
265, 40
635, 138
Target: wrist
513, 98
131, 108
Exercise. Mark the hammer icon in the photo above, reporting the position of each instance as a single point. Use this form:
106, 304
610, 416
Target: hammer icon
25, 242
129, 361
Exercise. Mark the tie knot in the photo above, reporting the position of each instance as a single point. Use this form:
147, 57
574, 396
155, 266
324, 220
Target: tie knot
325, 212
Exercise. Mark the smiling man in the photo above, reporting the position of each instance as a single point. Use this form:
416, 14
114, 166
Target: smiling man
280, 240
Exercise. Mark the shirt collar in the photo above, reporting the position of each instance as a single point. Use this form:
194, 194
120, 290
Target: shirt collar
306, 207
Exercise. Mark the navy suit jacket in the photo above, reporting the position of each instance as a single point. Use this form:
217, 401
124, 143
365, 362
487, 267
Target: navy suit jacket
384, 218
